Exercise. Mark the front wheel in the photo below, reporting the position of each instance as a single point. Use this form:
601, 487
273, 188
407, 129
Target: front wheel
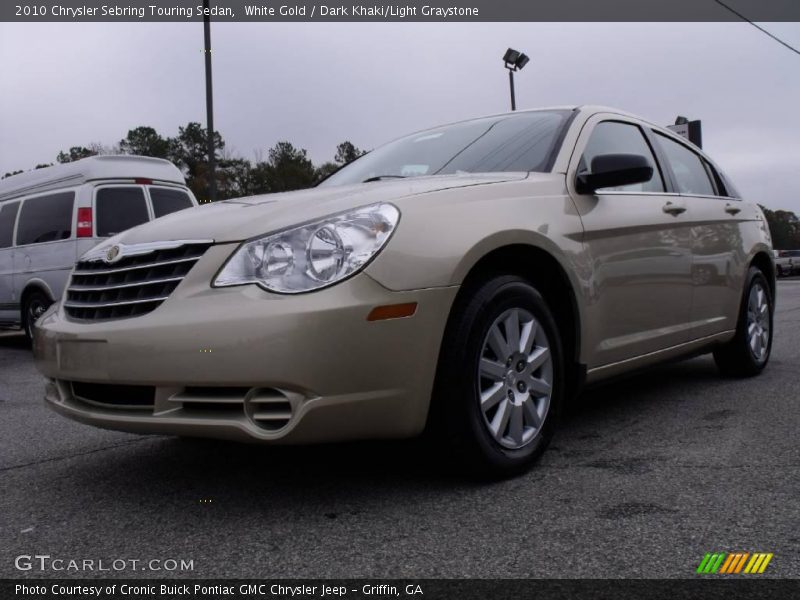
35, 305
500, 378
748, 352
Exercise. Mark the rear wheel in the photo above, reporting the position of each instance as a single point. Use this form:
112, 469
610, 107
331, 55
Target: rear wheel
748, 352
500, 378
34, 306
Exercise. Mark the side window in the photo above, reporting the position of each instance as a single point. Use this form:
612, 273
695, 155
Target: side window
168, 201
690, 171
8, 215
119, 208
614, 137
45, 219
730, 189
716, 180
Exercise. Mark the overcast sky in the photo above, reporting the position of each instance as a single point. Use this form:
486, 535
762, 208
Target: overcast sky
316, 84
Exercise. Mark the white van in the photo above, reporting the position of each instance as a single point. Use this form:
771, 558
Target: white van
50, 217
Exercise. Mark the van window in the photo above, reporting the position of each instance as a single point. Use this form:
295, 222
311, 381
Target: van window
8, 215
45, 219
168, 201
119, 208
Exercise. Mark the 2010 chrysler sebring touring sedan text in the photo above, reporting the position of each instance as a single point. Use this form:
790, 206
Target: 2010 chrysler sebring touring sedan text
468, 279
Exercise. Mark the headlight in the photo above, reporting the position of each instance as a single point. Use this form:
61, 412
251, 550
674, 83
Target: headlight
314, 255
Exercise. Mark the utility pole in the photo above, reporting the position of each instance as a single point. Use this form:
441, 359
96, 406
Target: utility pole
212, 177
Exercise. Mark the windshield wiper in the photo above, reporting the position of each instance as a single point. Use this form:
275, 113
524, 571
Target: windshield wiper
379, 177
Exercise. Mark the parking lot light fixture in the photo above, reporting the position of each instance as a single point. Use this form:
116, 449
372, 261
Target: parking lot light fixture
514, 61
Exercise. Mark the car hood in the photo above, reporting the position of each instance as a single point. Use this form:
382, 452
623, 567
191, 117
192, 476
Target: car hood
243, 218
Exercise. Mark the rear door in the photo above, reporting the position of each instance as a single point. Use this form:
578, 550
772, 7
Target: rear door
718, 252
637, 248
45, 244
9, 303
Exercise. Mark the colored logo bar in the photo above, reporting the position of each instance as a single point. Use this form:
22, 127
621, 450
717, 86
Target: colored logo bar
731, 563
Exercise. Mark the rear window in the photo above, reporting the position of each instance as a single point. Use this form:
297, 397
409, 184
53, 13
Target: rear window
45, 219
8, 214
167, 201
690, 171
120, 208
730, 189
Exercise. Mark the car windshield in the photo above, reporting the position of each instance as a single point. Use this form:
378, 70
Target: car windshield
520, 142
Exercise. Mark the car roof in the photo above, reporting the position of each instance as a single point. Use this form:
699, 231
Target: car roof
593, 109
598, 108
584, 108
90, 169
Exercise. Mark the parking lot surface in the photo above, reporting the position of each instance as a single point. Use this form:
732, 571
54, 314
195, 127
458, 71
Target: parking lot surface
645, 477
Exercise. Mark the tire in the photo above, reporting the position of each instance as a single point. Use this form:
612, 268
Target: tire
35, 305
748, 352
779, 271
527, 386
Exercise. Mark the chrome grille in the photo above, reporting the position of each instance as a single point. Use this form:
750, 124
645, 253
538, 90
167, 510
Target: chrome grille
130, 286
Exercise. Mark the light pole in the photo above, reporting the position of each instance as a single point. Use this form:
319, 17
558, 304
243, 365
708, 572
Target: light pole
212, 178
514, 61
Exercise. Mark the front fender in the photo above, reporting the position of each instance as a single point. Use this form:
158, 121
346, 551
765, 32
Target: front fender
442, 236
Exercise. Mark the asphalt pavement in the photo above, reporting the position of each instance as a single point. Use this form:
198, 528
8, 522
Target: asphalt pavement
642, 480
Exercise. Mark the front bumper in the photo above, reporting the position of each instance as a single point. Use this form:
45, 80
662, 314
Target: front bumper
241, 363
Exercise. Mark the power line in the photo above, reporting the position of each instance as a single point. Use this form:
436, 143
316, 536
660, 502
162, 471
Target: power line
761, 29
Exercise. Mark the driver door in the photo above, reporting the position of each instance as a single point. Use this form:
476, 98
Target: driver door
637, 246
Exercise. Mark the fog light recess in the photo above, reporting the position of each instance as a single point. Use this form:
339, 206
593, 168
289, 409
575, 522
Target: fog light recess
271, 409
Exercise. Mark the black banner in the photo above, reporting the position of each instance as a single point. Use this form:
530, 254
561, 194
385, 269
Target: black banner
723, 588
401, 10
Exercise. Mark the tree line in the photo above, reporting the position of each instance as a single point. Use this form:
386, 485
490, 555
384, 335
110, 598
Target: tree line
784, 226
285, 167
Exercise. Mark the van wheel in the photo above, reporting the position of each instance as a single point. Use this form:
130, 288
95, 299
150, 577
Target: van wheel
500, 379
748, 352
35, 305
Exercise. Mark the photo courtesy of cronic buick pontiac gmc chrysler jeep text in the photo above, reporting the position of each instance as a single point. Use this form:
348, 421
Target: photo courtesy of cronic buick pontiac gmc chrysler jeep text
468, 279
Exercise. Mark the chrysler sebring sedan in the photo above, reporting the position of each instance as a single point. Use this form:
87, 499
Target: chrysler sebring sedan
466, 280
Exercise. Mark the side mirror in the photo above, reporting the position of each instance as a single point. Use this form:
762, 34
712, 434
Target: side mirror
614, 170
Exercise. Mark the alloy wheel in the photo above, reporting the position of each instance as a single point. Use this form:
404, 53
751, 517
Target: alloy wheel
758, 326
515, 376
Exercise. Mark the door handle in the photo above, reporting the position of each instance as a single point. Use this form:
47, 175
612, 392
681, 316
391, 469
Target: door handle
732, 210
673, 209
